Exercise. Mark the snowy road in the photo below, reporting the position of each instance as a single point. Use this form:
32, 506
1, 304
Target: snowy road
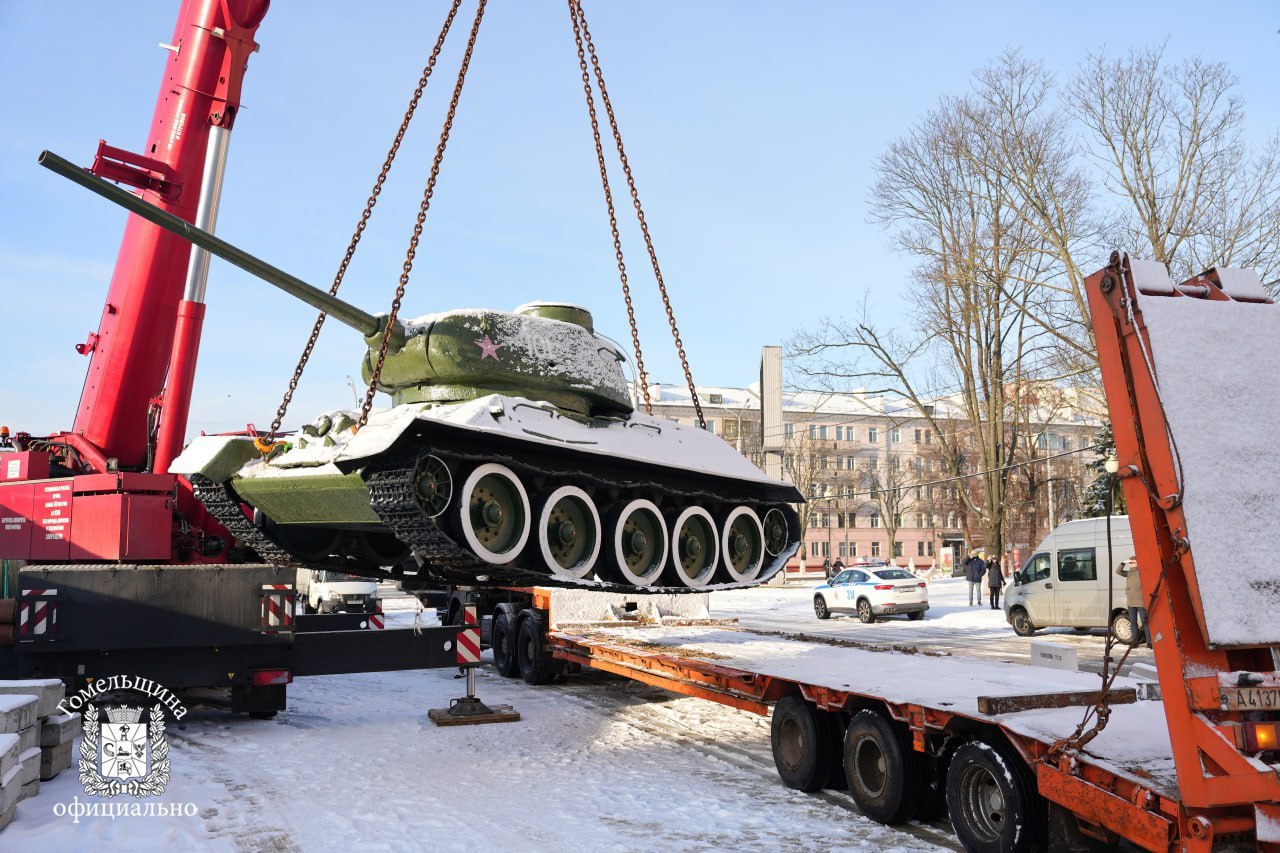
951, 626
595, 764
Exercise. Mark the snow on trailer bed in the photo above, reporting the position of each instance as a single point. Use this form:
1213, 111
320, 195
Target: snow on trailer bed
1134, 744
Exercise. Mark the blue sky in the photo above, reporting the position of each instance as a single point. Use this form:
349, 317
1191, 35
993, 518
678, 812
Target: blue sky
752, 127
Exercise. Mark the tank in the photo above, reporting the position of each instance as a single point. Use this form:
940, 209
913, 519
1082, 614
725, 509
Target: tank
511, 455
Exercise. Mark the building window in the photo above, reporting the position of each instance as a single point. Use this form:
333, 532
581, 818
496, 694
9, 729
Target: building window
875, 519
895, 436
826, 549
930, 549
897, 522
848, 463
897, 549
873, 434
928, 436
789, 430
716, 399
839, 519
824, 520
920, 519
711, 425
875, 549
843, 549
918, 432
839, 433
873, 464
895, 464
919, 549
853, 549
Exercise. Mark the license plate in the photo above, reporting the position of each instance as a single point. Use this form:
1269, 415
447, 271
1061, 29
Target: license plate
1252, 698
906, 589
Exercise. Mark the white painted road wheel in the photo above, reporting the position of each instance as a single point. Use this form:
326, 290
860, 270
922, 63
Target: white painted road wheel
694, 554
493, 513
639, 542
742, 542
569, 533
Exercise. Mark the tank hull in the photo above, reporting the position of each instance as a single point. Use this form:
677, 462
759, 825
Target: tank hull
598, 503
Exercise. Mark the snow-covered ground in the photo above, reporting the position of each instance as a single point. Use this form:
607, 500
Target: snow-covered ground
595, 764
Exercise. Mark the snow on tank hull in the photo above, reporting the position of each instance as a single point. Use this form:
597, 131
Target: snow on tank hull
506, 490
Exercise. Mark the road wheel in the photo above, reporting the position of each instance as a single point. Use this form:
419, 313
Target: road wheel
802, 752
916, 616
1022, 623
820, 607
864, 611
992, 801
1123, 629
503, 642
536, 664
883, 773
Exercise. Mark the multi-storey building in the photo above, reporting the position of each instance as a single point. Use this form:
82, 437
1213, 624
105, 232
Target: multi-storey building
873, 471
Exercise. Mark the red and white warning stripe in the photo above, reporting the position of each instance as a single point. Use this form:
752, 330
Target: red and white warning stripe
276, 610
469, 637
40, 617
375, 621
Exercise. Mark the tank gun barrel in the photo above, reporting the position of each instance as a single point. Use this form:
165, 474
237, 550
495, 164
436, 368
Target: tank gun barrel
363, 322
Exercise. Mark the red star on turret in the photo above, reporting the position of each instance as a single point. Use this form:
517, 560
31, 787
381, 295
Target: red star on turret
488, 349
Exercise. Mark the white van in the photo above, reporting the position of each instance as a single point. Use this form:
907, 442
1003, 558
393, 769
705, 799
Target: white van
1064, 582
330, 592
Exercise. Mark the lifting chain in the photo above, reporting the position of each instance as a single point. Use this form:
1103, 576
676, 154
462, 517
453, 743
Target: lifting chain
423, 209
582, 36
265, 443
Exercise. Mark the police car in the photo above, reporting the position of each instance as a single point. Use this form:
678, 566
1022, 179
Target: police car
872, 592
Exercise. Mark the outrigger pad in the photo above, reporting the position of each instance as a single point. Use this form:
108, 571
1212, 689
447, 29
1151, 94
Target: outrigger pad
470, 711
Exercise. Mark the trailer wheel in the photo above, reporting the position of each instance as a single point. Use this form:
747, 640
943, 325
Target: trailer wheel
883, 773
802, 750
1022, 625
992, 800
503, 643
537, 666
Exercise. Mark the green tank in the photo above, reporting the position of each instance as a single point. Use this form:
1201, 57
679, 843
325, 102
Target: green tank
511, 455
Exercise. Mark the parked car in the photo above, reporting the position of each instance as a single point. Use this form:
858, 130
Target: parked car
872, 592
1064, 582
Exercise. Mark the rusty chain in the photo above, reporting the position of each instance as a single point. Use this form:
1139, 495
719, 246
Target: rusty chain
265, 443
608, 200
583, 35
423, 209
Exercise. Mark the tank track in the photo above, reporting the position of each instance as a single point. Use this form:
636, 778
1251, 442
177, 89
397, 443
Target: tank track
391, 490
224, 504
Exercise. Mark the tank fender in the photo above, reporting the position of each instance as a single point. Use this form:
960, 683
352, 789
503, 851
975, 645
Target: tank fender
217, 457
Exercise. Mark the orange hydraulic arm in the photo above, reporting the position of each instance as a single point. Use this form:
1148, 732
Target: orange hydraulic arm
1221, 692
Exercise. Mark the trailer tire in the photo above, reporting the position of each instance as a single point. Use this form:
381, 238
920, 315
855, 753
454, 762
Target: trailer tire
537, 666
992, 800
1021, 622
883, 773
503, 643
802, 748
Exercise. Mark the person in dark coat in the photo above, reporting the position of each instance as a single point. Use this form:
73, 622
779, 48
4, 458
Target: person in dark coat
826, 568
975, 571
995, 582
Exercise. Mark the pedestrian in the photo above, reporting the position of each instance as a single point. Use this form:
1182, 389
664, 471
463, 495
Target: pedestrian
837, 567
826, 568
975, 571
1137, 604
995, 582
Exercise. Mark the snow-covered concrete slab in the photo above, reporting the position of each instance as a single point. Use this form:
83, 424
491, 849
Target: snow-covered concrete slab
59, 729
50, 691
17, 712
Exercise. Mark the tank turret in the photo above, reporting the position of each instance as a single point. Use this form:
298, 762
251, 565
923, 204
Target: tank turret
511, 455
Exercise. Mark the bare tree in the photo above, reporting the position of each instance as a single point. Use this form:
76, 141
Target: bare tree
803, 463
1170, 141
